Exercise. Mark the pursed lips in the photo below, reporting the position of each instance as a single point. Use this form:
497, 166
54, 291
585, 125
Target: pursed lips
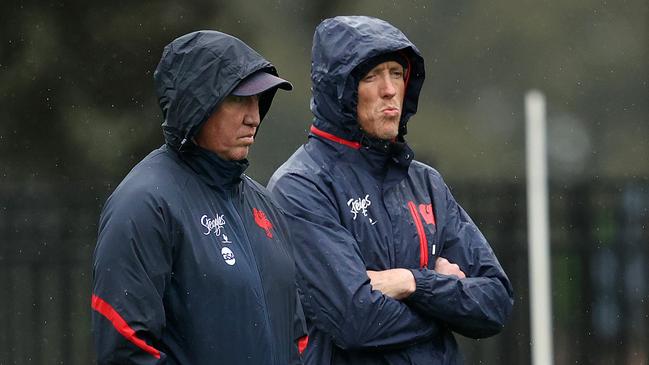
390, 110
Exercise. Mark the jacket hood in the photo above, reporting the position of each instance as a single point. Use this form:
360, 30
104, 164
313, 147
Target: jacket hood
341, 44
195, 73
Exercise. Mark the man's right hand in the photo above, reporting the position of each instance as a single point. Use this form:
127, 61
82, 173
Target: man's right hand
443, 266
395, 283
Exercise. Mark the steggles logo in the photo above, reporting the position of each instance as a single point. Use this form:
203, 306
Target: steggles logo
213, 224
359, 205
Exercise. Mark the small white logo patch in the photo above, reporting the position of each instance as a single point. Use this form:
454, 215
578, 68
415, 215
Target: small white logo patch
213, 224
228, 256
359, 205
225, 239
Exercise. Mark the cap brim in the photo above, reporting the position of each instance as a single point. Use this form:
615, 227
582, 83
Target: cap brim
260, 82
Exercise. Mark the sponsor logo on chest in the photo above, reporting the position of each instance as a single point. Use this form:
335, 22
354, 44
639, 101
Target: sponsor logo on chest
216, 225
228, 256
213, 225
358, 207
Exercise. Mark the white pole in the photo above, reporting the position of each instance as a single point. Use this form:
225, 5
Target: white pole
538, 229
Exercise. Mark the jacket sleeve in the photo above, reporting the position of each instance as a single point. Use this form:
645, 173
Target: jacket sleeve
478, 305
298, 332
131, 267
336, 291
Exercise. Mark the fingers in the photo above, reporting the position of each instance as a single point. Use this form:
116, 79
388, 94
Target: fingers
460, 274
443, 266
395, 283
441, 261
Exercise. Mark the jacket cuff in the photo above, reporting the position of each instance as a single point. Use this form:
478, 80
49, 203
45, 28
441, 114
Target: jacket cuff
426, 280
422, 283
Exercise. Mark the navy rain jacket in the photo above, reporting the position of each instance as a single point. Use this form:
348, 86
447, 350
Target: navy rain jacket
192, 265
358, 204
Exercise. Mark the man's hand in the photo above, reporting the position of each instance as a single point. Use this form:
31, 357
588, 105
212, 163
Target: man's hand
443, 266
395, 283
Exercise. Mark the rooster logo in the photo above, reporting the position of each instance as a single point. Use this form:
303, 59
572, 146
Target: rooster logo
263, 222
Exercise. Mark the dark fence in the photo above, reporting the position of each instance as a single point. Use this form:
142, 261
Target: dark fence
600, 254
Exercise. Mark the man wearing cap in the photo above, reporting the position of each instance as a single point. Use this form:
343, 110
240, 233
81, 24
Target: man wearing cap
389, 265
192, 264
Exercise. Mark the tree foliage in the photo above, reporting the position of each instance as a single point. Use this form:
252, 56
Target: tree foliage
78, 101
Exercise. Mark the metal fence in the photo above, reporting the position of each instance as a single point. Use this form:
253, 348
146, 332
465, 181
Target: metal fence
600, 252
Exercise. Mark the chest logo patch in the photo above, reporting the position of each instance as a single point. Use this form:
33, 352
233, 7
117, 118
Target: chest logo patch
228, 256
426, 211
215, 224
263, 222
359, 206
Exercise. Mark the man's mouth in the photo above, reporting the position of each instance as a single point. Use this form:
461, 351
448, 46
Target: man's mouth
390, 111
250, 138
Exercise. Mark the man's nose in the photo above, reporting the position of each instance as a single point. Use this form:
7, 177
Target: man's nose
252, 113
389, 89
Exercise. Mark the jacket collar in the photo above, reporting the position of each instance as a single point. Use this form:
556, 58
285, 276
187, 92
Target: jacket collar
387, 160
212, 169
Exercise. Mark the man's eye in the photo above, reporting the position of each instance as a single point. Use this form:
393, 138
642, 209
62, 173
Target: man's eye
369, 77
236, 99
397, 74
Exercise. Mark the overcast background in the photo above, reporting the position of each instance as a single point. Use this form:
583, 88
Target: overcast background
78, 110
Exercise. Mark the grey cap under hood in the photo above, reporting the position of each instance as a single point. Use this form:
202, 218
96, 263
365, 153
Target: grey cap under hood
195, 74
341, 44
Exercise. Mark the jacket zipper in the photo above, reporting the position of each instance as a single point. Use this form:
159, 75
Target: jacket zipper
254, 265
423, 241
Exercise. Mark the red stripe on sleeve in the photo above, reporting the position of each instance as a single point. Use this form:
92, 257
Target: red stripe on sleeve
121, 326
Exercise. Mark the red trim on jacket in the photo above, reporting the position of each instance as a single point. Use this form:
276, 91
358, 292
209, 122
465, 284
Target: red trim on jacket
121, 326
302, 344
423, 241
331, 137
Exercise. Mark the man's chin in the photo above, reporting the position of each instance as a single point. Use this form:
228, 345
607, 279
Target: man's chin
240, 153
386, 136
390, 132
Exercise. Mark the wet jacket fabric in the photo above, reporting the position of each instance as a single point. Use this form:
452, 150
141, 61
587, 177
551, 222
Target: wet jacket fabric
192, 264
358, 204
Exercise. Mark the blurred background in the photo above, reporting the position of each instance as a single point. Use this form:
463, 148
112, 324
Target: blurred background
78, 110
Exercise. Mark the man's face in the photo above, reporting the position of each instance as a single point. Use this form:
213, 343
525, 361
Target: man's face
380, 96
229, 131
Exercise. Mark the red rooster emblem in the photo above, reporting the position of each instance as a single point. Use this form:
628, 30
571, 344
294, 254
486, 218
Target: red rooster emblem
263, 222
